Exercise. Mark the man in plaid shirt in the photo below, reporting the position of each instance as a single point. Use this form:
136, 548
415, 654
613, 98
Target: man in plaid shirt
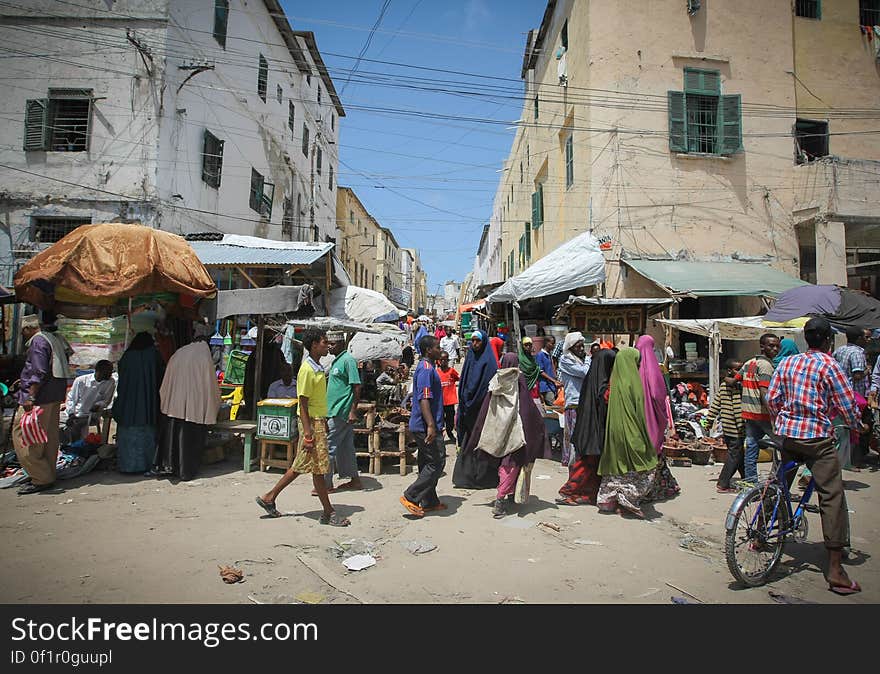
854, 364
803, 392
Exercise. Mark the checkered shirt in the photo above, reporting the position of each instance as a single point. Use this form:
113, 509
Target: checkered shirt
802, 393
852, 359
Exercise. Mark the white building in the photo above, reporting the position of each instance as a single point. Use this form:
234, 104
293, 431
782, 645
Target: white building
186, 115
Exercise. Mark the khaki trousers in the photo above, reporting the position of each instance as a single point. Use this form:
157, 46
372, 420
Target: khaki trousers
38, 460
821, 458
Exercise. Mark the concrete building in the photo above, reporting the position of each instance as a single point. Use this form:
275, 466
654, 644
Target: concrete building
389, 269
416, 280
187, 116
679, 132
357, 240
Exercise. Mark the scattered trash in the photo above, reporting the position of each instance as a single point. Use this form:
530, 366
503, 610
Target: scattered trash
583, 541
310, 597
675, 587
359, 562
780, 598
693, 543
681, 600
230, 574
550, 525
418, 547
255, 600
532, 561
542, 477
653, 590
354, 547
70, 500
512, 600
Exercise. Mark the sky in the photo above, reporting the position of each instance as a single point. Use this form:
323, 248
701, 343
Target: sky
423, 149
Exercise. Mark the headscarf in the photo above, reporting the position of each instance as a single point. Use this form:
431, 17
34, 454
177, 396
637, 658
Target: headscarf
787, 347
588, 436
476, 373
140, 375
656, 415
529, 367
141, 341
571, 339
628, 447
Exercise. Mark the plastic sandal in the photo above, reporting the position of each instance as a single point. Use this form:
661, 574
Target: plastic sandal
852, 588
268, 506
334, 520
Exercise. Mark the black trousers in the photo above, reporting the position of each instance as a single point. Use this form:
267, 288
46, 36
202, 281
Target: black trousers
432, 460
735, 461
449, 420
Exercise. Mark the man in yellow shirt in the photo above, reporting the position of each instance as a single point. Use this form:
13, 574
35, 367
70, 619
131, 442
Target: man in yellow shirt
312, 454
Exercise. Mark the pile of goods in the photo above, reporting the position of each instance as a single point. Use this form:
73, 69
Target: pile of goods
701, 451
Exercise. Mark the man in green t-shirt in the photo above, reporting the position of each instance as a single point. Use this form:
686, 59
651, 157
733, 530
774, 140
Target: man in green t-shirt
312, 455
343, 394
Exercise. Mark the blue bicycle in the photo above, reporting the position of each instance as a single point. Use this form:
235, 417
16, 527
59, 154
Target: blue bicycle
759, 522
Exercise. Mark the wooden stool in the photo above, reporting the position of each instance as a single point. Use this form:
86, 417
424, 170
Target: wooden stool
369, 412
270, 458
379, 453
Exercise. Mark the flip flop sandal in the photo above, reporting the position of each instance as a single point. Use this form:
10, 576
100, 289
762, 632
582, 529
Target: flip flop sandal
852, 588
412, 507
569, 501
334, 520
439, 506
268, 506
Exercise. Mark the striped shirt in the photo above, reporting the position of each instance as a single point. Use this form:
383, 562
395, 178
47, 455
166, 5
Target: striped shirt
803, 392
852, 359
727, 404
755, 377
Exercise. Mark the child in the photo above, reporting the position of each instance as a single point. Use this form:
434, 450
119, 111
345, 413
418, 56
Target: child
449, 382
727, 404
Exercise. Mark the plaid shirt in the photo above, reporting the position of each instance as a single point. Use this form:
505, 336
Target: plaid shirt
803, 391
852, 359
557, 350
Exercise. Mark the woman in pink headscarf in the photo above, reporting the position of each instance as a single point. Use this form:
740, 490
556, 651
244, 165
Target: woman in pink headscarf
658, 415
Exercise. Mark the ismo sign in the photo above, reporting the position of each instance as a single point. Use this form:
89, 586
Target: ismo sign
608, 320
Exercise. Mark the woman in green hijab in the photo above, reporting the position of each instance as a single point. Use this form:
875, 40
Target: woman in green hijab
531, 370
629, 458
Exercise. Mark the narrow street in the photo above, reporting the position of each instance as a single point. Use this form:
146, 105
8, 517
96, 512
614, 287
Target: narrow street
107, 539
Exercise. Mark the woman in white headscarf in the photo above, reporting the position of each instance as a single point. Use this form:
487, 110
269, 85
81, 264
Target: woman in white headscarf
573, 368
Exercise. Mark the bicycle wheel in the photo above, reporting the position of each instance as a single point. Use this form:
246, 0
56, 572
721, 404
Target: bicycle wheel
753, 544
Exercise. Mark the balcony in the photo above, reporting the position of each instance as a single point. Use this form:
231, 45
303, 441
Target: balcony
837, 188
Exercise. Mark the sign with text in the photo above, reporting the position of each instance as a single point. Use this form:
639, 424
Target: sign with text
608, 320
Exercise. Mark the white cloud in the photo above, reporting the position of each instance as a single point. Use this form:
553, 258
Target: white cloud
476, 14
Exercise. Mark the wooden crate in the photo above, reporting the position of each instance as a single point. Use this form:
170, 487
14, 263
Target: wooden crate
399, 452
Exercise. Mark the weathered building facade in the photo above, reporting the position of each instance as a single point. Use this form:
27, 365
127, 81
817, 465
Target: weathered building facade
189, 115
684, 131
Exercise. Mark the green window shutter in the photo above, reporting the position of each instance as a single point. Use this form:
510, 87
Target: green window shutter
730, 124
36, 127
535, 210
528, 238
706, 82
677, 121
540, 220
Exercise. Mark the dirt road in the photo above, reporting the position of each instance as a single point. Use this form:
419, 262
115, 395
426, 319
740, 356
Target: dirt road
112, 538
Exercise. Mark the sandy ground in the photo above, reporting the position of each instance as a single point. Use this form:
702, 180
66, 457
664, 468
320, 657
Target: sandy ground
107, 538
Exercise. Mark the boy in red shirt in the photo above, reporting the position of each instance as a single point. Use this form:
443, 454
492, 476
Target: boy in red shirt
449, 382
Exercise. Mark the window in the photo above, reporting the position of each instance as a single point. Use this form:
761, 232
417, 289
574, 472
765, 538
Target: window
279, 93
262, 77
520, 172
305, 145
809, 9
291, 114
319, 94
563, 35
262, 194
569, 161
318, 156
811, 140
309, 79
536, 108
221, 20
212, 159
510, 270
869, 12
525, 247
332, 122
316, 234
538, 206
287, 220
528, 156
330, 181
701, 120
51, 230
298, 215
59, 123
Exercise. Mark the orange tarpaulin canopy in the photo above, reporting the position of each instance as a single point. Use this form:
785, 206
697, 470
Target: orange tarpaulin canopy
96, 264
470, 307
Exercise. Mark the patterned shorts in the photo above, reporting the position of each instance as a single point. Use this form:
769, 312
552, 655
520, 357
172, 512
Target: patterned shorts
316, 461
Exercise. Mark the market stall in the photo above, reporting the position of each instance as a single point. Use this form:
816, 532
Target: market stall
610, 316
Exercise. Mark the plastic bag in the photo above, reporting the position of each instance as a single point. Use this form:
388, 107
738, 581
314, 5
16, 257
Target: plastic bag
31, 431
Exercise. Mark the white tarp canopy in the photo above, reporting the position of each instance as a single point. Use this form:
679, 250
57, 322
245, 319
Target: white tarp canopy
363, 305
365, 346
575, 264
716, 329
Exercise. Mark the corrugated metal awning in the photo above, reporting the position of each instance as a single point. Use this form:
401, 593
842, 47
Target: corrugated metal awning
715, 279
248, 251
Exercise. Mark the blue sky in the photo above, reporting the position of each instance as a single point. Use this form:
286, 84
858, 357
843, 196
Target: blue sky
431, 181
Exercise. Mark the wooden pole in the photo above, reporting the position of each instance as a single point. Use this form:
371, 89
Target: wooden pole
259, 367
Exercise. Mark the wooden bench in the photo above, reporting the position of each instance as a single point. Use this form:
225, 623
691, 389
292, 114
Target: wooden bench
369, 412
268, 458
379, 453
245, 428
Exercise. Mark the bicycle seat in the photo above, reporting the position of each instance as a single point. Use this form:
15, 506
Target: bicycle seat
767, 443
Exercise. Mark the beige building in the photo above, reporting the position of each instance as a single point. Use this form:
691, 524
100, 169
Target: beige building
416, 280
741, 133
358, 237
